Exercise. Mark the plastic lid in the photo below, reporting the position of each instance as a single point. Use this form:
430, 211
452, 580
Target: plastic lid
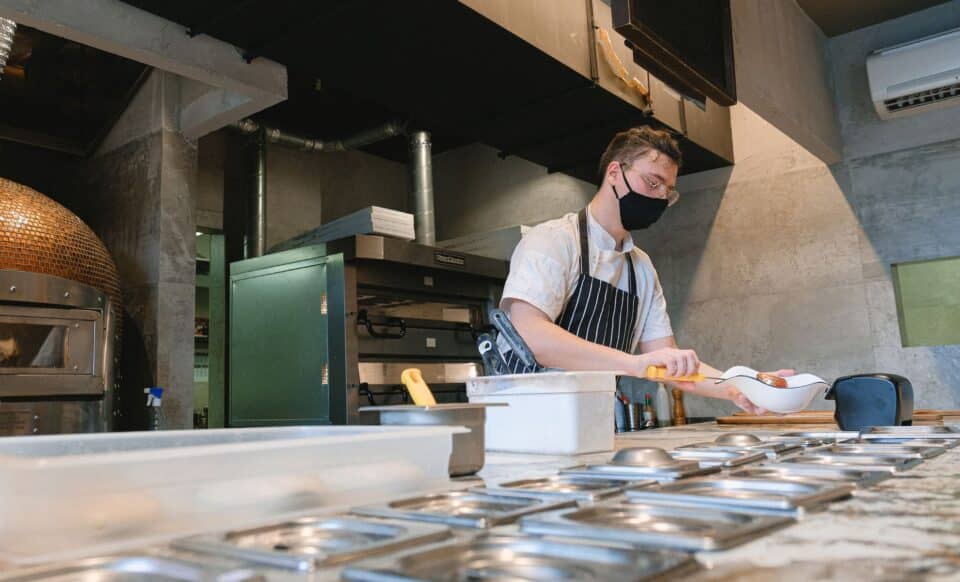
543, 383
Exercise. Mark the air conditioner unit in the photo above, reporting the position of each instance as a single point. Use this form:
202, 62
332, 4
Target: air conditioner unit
916, 76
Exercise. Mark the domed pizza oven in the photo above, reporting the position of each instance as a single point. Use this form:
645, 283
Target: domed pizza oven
59, 308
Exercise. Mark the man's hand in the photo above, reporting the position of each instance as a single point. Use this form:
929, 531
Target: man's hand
744, 402
677, 362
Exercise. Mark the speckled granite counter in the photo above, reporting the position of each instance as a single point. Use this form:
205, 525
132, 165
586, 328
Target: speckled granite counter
906, 528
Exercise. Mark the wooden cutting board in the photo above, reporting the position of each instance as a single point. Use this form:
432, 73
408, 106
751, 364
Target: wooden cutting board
821, 417
805, 417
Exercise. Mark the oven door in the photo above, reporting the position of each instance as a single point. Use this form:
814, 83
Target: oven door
50, 352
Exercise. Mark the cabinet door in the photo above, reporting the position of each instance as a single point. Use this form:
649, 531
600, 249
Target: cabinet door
279, 351
709, 127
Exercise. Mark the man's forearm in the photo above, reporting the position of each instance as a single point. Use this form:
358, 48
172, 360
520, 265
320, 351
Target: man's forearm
709, 387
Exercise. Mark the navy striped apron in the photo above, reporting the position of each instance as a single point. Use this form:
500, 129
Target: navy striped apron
597, 311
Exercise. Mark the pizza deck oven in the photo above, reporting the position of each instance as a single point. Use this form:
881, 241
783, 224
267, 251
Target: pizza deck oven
59, 301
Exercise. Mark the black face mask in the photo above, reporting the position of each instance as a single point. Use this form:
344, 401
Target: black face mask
636, 210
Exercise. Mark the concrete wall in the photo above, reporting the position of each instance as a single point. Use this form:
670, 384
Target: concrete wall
138, 194
785, 261
476, 191
783, 73
303, 189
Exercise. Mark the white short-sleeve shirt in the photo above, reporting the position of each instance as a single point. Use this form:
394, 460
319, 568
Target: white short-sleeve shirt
545, 267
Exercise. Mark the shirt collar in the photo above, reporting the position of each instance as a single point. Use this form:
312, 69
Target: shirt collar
603, 240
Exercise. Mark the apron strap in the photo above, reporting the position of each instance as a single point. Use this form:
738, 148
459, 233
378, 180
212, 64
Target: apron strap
585, 254
584, 244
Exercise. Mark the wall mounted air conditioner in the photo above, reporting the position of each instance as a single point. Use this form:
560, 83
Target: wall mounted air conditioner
916, 76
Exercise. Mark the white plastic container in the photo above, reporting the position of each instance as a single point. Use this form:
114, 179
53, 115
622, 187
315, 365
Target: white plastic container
71, 495
560, 413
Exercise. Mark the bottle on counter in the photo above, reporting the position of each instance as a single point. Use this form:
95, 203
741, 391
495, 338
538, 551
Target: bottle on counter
621, 420
635, 415
649, 415
663, 406
679, 414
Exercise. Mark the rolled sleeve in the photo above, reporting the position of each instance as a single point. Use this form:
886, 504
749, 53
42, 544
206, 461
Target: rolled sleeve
539, 280
542, 269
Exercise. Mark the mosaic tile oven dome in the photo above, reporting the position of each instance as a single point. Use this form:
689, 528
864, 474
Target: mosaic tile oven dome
41, 236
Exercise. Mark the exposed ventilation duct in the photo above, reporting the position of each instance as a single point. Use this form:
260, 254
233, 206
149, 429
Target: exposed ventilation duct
358, 140
258, 226
256, 241
7, 30
421, 188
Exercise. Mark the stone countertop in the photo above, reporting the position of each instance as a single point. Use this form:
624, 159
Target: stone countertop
905, 528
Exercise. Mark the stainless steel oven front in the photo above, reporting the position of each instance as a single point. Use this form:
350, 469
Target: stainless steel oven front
56, 355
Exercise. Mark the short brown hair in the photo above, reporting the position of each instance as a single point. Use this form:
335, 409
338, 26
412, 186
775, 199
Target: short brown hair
629, 145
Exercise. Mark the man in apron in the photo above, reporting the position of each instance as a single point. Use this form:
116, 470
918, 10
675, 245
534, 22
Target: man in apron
584, 297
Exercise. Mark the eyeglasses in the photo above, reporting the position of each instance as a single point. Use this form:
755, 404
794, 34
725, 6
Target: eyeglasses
661, 189
657, 188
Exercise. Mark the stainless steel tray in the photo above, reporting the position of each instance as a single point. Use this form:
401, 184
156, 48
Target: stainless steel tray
464, 508
644, 462
909, 451
800, 441
643, 524
795, 472
588, 488
132, 568
861, 462
920, 431
310, 543
825, 435
772, 450
523, 558
685, 470
746, 441
763, 495
719, 458
913, 441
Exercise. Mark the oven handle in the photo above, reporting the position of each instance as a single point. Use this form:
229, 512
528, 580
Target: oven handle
390, 322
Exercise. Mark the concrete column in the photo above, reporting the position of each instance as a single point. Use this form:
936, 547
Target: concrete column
139, 191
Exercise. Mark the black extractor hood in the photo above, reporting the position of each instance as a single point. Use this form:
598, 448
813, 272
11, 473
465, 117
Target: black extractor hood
687, 43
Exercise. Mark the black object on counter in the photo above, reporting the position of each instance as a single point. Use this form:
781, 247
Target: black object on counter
865, 400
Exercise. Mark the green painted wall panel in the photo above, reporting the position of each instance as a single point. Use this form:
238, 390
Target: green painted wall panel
928, 301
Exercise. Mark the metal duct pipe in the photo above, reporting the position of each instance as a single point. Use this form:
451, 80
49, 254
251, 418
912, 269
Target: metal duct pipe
258, 228
358, 140
369, 136
7, 30
421, 188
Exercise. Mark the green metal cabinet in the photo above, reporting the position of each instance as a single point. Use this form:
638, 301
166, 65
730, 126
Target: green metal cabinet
286, 312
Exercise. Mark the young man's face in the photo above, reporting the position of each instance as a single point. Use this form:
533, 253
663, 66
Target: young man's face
653, 174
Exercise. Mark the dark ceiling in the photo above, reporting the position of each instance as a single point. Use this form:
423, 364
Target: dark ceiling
354, 64
835, 17
62, 95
